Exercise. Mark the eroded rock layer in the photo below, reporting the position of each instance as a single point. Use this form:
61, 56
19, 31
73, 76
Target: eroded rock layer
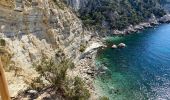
36, 28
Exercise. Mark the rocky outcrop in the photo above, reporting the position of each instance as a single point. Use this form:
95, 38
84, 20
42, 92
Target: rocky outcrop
114, 46
150, 23
77, 4
122, 45
165, 19
132, 29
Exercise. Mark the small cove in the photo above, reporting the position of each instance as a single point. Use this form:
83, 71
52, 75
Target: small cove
141, 71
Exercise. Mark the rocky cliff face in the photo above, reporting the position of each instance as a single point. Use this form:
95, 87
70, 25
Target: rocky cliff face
36, 28
107, 15
77, 4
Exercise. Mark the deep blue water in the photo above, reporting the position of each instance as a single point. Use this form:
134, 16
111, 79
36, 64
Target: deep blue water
141, 71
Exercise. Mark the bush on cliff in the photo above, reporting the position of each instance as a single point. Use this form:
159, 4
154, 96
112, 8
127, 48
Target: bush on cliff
5, 55
2, 42
76, 90
59, 3
118, 14
55, 73
82, 48
104, 98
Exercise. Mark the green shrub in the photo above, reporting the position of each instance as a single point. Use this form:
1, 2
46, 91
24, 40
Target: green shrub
2, 42
72, 65
55, 73
5, 55
36, 84
82, 48
76, 90
104, 98
118, 14
59, 3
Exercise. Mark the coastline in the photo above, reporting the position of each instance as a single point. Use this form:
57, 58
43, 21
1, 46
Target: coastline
130, 30
143, 25
129, 64
58, 29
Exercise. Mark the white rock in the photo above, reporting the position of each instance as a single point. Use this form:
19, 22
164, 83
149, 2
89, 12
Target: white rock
165, 18
33, 91
93, 46
122, 45
114, 46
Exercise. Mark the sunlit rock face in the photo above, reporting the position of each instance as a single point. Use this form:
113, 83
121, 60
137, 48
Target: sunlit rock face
18, 24
77, 4
36, 28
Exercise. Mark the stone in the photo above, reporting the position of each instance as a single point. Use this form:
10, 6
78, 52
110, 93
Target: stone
32, 91
122, 45
114, 91
32, 94
90, 72
93, 46
114, 46
102, 70
165, 19
117, 32
19, 5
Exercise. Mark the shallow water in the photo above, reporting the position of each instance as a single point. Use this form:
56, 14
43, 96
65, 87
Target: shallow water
141, 71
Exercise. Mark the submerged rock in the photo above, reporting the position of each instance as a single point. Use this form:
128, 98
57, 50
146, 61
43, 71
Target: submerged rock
102, 70
114, 91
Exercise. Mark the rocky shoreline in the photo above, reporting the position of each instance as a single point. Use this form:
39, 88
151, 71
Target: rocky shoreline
153, 21
132, 29
36, 32
86, 67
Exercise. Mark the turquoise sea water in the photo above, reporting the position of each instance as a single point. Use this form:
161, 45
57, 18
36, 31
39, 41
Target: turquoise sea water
141, 71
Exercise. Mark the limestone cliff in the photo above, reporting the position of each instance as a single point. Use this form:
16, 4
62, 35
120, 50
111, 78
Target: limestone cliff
36, 28
77, 4
107, 15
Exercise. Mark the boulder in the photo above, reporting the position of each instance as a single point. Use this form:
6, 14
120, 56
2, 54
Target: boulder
114, 91
138, 27
165, 19
130, 29
122, 45
32, 91
101, 70
117, 32
32, 94
114, 46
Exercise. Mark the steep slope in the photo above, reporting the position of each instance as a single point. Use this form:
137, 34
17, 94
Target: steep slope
38, 28
33, 29
116, 14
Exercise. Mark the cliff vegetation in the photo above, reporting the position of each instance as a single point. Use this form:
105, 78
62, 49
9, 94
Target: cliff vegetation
118, 14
